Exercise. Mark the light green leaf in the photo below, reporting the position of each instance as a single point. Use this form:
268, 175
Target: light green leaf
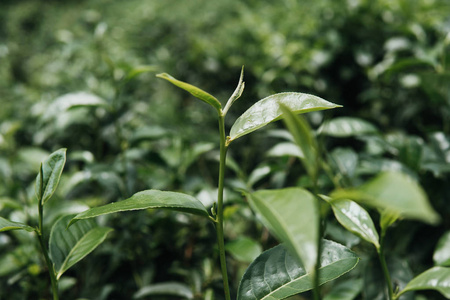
355, 219
304, 139
387, 219
346, 127
292, 215
285, 149
268, 110
49, 175
175, 289
195, 91
69, 246
396, 193
345, 161
275, 274
244, 249
441, 255
6, 225
436, 278
148, 199
237, 92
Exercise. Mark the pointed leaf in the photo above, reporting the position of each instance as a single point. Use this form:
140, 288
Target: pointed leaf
441, 255
69, 246
436, 278
175, 289
237, 92
195, 91
395, 192
355, 219
304, 139
48, 178
346, 126
148, 199
275, 274
292, 215
6, 225
268, 110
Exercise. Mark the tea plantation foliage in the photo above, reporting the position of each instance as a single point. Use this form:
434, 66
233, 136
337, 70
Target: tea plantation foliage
81, 75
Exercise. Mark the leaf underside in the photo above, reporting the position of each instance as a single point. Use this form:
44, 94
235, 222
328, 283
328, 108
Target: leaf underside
146, 200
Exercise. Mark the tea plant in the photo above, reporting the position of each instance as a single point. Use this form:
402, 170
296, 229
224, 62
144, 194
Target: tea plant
66, 247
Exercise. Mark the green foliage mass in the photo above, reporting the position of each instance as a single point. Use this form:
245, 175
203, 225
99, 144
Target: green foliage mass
80, 75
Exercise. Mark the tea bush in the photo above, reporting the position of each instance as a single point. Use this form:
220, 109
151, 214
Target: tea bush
81, 76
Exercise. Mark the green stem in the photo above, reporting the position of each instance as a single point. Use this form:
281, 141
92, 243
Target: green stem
50, 267
382, 258
219, 222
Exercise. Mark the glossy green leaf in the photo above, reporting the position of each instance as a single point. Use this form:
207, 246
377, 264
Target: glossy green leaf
6, 225
285, 149
148, 199
48, 178
436, 278
276, 274
396, 193
175, 289
268, 110
292, 215
441, 255
304, 139
346, 127
195, 91
69, 246
244, 249
345, 160
355, 219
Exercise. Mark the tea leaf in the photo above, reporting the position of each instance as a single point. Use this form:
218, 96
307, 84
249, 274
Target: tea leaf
436, 278
145, 200
346, 127
268, 110
301, 132
195, 91
48, 178
292, 215
441, 255
276, 274
396, 193
347, 290
355, 219
6, 225
69, 246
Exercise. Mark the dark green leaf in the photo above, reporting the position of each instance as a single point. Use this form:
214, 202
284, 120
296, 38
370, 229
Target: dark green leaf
175, 289
396, 193
148, 199
69, 246
6, 225
268, 110
441, 255
275, 274
292, 215
195, 91
48, 178
436, 278
346, 126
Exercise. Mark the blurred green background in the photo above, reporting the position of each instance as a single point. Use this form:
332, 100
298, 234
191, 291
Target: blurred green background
80, 75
